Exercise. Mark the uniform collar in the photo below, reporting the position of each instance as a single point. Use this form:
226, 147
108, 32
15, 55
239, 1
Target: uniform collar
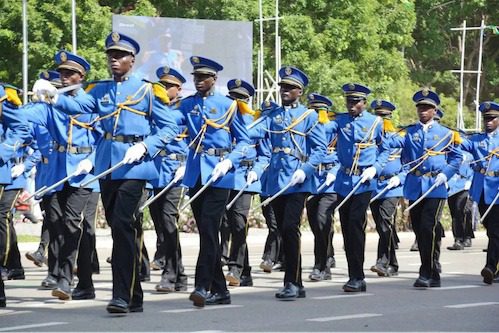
427, 126
493, 134
292, 106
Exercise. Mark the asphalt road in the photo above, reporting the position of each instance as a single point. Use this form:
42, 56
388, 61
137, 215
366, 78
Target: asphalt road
463, 303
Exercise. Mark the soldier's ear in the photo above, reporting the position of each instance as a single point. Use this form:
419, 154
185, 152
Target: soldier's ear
300, 93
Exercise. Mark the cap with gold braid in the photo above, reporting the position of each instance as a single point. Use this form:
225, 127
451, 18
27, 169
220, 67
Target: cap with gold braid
489, 109
355, 91
382, 107
241, 87
53, 76
426, 97
293, 76
118, 41
73, 62
170, 75
205, 66
317, 101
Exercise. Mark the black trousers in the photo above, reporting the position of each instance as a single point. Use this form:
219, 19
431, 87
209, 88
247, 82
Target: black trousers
9, 251
72, 202
461, 215
87, 260
353, 226
53, 217
164, 213
237, 220
383, 211
273, 249
425, 219
208, 210
491, 223
121, 200
288, 210
225, 238
320, 210
44, 235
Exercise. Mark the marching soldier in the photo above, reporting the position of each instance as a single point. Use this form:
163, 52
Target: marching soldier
430, 157
74, 152
164, 211
321, 206
127, 108
485, 186
387, 195
298, 147
213, 125
15, 121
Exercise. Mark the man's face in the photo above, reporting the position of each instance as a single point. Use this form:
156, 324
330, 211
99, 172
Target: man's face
355, 106
120, 62
172, 90
69, 77
491, 123
426, 112
204, 82
290, 93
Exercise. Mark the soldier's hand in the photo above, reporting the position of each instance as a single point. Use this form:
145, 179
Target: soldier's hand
135, 153
17, 170
221, 169
251, 177
440, 179
393, 182
368, 174
467, 185
330, 178
43, 88
84, 167
298, 177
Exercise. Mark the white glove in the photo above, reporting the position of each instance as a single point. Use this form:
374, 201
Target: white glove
135, 153
221, 169
179, 174
43, 88
467, 185
330, 178
17, 170
251, 177
440, 179
368, 174
393, 182
84, 167
298, 177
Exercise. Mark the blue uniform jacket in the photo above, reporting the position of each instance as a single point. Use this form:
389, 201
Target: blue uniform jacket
364, 132
12, 119
484, 149
329, 164
261, 167
301, 147
392, 168
126, 109
426, 154
45, 172
69, 133
27, 154
465, 173
208, 142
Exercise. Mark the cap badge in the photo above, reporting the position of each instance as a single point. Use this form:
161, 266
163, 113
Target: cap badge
237, 83
64, 57
195, 60
379, 102
425, 92
46, 75
487, 105
288, 71
166, 70
351, 86
115, 37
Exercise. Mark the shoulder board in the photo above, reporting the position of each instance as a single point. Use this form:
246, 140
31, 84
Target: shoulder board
12, 95
160, 92
323, 117
91, 84
244, 108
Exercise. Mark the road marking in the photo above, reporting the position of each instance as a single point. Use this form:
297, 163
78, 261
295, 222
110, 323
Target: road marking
342, 296
12, 312
355, 316
22, 327
467, 286
470, 305
211, 307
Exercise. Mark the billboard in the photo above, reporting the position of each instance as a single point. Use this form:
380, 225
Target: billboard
171, 42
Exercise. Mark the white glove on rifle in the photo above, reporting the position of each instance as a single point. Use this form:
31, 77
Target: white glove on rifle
135, 153
368, 174
17, 170
440, 179
43, 88
251, 177
298, 177
221, 169
330, 178
84, 167
393, 182
179, 174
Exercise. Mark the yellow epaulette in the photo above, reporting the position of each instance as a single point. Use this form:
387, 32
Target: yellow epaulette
160, 92
388, 126
244, 108
91, 84
12, 95
456, 138
323, 116
257, 114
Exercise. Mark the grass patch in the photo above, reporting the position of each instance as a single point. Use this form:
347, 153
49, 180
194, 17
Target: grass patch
27, 238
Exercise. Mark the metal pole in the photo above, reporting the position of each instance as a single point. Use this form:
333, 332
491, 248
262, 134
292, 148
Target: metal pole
478, 76
459, 117
277, 41
73, 23
25, 51
260, 56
